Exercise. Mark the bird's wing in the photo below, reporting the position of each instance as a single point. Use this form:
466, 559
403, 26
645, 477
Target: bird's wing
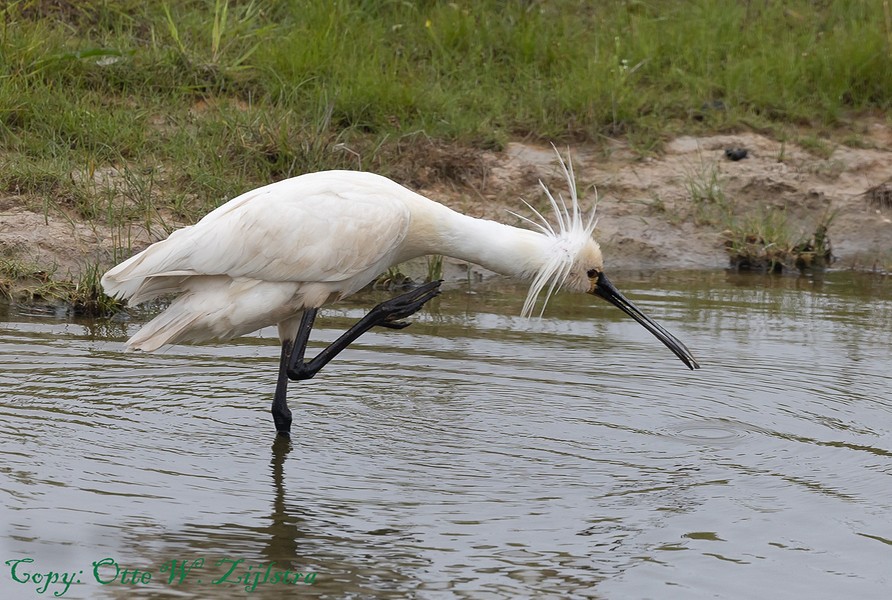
330, 236
323, 230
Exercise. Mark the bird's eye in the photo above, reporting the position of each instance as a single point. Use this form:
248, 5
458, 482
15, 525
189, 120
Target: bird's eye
592, 273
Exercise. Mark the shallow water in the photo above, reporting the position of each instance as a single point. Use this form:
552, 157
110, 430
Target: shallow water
472, 455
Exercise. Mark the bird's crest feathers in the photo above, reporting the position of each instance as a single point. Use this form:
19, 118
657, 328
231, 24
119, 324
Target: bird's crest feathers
572, 233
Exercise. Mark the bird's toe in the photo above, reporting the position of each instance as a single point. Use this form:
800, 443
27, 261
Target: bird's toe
392, 324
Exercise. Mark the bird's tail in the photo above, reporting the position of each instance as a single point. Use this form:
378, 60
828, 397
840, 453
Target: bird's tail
167, 328
217, 307
159, 269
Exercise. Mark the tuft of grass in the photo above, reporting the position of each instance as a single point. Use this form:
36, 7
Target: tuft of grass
392, 279
87, 298
761, 241
434, 267
818, 146
706, 191
767, 241
815, 254
217, 57
29, 282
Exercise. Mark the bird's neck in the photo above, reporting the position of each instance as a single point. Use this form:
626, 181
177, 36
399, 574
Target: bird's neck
501, 248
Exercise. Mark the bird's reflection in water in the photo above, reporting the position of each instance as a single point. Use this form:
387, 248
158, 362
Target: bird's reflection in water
308, 545
284, 529
336, 559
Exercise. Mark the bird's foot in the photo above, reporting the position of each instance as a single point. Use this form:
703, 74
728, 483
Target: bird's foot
282, 417
391, 311
394, 324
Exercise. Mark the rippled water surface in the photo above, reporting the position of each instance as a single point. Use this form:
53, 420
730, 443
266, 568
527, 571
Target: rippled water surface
473, 454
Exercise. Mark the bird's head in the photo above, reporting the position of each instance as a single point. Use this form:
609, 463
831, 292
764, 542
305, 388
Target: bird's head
573, 261
587, 263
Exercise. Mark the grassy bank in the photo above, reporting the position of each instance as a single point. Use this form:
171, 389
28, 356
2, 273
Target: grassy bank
133, 111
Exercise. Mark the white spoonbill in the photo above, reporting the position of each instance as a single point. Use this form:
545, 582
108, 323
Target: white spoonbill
276, 254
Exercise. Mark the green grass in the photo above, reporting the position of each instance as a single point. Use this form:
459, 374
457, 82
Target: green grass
706, 191
473, 71
22, 279
285, 82
763, 240
768, 241
33, 283
194, 102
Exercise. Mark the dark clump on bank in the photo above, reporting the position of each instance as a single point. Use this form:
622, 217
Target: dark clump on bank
754, 253
758, 253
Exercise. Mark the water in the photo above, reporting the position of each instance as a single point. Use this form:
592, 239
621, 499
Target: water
472, 455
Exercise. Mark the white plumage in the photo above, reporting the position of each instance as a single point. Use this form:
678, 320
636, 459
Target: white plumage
263, 257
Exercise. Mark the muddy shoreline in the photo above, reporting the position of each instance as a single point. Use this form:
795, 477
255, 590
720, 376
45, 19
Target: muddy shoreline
648, 215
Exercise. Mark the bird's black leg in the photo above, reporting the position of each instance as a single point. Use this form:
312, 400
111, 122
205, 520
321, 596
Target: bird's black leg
292, 352
281, 412
386, 314
293, 366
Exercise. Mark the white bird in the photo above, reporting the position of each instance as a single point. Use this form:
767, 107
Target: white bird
276, 254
